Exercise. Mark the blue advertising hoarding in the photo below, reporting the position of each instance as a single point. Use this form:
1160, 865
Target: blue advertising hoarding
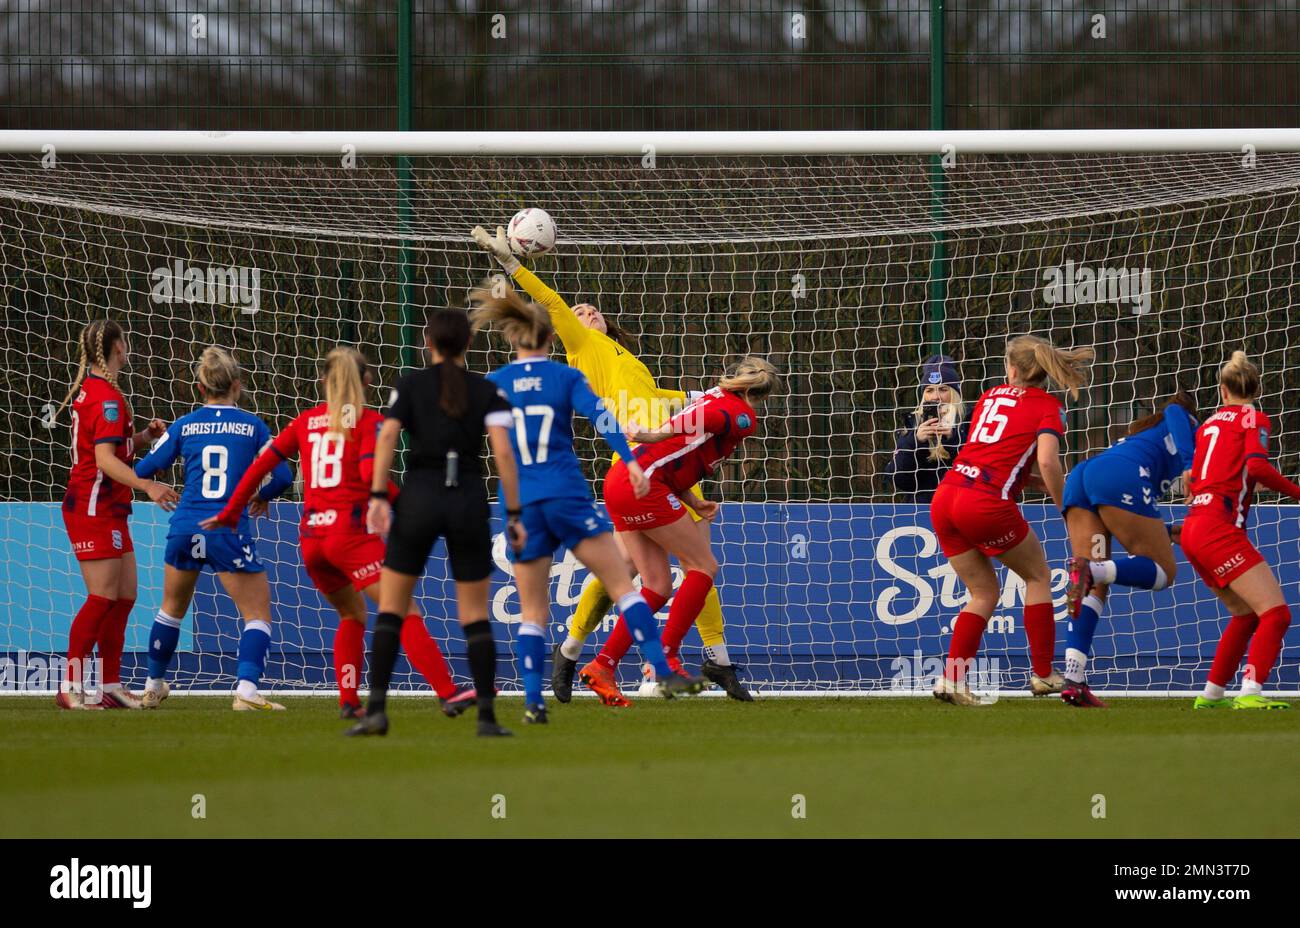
815, 595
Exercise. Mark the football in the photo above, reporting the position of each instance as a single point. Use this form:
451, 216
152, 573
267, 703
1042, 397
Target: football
531, 232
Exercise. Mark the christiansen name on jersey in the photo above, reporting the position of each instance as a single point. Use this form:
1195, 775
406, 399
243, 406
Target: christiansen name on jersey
217, 444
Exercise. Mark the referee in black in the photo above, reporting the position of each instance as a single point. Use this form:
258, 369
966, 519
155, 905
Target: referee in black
446, 410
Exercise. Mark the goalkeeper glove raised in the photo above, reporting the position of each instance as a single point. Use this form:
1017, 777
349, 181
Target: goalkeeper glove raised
497, 247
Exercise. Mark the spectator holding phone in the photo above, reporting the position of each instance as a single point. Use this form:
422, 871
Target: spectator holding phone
935, 431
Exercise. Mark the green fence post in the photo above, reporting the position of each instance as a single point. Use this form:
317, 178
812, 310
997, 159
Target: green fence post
934, 337
405, 186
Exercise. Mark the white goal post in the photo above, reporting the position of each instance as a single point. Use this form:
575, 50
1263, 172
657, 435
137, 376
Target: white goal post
846, 257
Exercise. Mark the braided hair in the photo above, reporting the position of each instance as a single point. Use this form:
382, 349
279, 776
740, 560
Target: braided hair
96, 343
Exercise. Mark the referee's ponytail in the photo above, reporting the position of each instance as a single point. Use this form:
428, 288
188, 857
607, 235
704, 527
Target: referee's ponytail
447, 332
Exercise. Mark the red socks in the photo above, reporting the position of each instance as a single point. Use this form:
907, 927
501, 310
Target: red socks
686, 609
620, 639
83, 634
112, 638
1266, 644
1232, 647
1040, 629
425, 655
349, 656
966, 634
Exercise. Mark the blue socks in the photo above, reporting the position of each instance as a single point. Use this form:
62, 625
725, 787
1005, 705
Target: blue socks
163, 639
1078, 638
645, 632
253, 645
530, 652
1140, 572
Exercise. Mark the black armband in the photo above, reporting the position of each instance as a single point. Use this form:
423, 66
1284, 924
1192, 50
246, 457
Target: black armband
514, 513
379, 494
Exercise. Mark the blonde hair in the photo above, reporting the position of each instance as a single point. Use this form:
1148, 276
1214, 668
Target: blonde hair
524, 324
1241, 376
345, 392
752, 376
95, 344
938, 450
1037, 359
217, 372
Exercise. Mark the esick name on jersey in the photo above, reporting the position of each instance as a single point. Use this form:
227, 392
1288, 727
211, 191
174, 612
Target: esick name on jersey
229, 427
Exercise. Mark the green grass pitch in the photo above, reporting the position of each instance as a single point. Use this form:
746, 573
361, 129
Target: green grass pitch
703, 767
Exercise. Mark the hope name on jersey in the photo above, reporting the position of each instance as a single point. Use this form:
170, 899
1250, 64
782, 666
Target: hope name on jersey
544, 396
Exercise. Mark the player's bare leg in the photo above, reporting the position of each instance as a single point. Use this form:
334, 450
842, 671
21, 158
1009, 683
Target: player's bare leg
1030, 563
428, 659
981, 581
1089, 541
533, 580
349, 648
252, 597
604, 559
1252, 598
593, 605
178, 594
717, 666
101, 578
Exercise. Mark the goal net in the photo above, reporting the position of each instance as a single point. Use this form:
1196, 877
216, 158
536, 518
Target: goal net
845, 267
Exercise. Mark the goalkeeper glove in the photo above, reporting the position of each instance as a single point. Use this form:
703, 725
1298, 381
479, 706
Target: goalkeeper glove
497, 247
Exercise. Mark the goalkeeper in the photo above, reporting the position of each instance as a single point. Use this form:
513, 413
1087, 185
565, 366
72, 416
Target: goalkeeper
598, 348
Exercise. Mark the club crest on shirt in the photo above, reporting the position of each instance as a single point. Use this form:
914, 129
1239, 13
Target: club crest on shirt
743, 421
117, 539
111, 411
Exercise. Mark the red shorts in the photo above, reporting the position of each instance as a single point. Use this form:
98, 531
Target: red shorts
334, 561
657, 508
1218, 550
97, 538
965, 519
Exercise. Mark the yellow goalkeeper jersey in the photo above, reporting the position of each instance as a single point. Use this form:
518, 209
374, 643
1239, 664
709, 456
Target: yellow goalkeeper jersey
616, 375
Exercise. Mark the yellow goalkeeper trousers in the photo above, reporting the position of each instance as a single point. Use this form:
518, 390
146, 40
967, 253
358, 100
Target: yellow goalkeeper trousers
594, 604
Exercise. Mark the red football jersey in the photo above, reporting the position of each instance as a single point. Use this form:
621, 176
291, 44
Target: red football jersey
1224, 445
998, 455
99, 414
706, 431
336, 491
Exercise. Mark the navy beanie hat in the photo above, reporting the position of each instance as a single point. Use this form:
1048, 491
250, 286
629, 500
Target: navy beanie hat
940, 369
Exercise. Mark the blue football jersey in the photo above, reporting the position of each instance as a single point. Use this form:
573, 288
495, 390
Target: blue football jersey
1165, 450
545, 395
217, 444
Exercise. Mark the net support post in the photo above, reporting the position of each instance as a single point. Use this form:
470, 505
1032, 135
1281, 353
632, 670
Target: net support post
932, 337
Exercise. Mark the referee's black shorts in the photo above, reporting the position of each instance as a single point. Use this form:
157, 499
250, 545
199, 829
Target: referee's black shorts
427, 510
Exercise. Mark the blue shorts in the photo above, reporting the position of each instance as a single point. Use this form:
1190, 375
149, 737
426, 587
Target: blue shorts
560, 521
1111, 480
225, 552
